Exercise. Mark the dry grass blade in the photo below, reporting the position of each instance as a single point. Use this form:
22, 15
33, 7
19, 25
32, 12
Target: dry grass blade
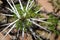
34, 19
13, 9
31, 4
9, 31
5, 24
11, 5
10, 25
7, 15
38, 25
39, 9
32, 32
23, 34
39, 18
27, 5
21, 5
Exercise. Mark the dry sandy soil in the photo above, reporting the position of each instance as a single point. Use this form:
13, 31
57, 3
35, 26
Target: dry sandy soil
48, 7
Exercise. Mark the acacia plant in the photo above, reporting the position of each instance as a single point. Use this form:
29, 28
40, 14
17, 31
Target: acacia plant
25, 16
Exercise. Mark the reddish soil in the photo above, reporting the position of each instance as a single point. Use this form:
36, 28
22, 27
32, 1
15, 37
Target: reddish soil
48, 7
6, 38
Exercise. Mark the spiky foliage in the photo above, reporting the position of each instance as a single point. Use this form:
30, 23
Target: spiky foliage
54, 22
25, 16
